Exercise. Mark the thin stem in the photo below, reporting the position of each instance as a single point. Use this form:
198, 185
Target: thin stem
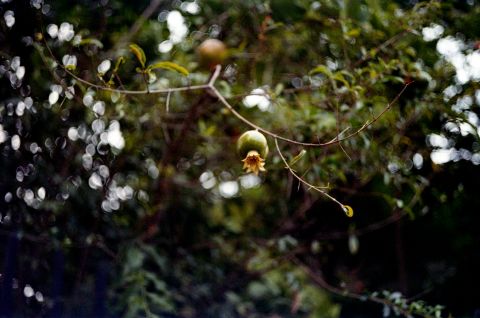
168, 102
335, 140
316, 188
138, 92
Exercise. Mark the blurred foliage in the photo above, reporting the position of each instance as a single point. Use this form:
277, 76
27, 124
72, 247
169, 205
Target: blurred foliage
136, 204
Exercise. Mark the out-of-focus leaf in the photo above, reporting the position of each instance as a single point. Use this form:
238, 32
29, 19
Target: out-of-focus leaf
119, 62
139, 53
169, 66
92, 41
297, 157
321, 69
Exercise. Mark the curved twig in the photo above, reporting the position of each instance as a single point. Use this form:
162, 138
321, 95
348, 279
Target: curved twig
309, 185
335, 140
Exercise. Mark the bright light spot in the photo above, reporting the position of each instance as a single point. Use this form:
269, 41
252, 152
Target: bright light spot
228, 189
452, 127
250, 181
153, 171
39, 297
88, 99
87, 161
177, 27
99, 108
90, 149
95, 182
37, 4
28, 102
70, 92
441, 156
451, 91
20, 73
436, 140
3, 135
16, 142
190, 7
433, 32
104, 67
69, 61
34, 148
477, 96
473, 64
15, 63
393, 167
53, 98
115, 137
77, 39
104, 171
20, 108
165, 46
28, 197
28, 291
52, 30
418, 160
207, 179
466, 129
65, 33
8, 197
72, 133
98, 126
449, 46
128, 191
462, 104
258, 98
467, 66
476, 159
9, 18
41, 193
56, 88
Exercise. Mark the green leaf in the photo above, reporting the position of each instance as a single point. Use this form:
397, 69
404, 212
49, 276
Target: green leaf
321, 69
119, 62
91, 41
139, 53
169, 66
298, 157
339, 77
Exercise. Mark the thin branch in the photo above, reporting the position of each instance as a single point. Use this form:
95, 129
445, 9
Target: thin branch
337, 113
382, 46
336, 140
138, 92
168, 102
309, 185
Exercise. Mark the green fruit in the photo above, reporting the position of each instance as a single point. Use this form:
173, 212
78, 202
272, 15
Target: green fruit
212, 52
252, 140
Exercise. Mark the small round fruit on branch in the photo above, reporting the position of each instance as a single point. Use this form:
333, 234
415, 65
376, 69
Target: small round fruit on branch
252, 147
212, 52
